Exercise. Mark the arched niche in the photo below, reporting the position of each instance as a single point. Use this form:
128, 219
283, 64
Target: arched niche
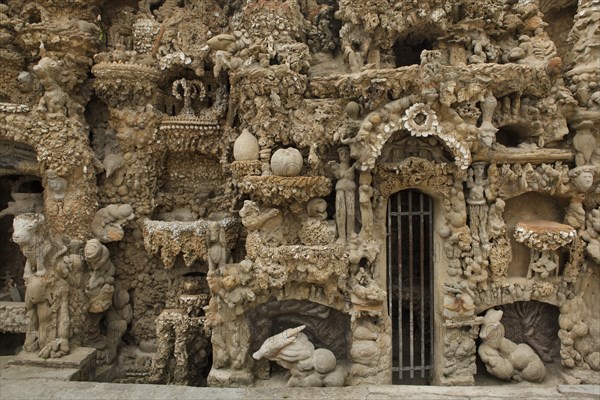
529, 206
531, 322
512, 135
21, 191
325, 327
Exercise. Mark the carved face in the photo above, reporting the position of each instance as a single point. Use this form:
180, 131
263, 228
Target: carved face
56, 184
478, 169
584, 181
25, 227
213, 231
93, 250
344, 155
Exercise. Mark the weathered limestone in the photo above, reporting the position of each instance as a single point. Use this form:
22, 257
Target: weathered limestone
355, 190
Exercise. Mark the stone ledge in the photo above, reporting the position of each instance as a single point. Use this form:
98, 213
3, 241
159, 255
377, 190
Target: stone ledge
81, 359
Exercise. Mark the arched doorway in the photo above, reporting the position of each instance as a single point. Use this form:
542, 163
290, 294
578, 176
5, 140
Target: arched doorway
410, 285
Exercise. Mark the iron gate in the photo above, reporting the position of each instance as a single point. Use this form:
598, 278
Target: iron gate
410, 284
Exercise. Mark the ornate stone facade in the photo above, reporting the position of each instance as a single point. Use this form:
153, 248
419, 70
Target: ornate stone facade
196, 188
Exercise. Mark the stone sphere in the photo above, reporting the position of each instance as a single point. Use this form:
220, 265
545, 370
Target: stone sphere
324, 361
353, 110
286, 162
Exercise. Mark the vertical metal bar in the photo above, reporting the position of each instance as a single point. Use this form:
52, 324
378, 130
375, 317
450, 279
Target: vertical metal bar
400, 352
431, 277
389, 257
422, 280
410, 284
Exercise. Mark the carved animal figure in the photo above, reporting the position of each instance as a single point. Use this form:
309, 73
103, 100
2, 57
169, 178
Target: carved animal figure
54, 100
309, 367
504, 358
31, 234
108, 222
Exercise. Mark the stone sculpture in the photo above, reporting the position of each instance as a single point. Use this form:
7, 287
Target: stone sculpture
47, 295
505, 359
308, 366
108, 222
218, 253
345, 189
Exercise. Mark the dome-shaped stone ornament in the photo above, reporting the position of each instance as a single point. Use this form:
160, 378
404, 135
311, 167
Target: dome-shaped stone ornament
245, 147
286, 162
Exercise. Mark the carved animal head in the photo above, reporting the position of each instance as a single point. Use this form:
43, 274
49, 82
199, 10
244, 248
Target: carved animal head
492, 329
27, 227
272, 346
47, 68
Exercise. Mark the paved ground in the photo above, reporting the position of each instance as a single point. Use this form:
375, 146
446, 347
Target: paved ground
35, 382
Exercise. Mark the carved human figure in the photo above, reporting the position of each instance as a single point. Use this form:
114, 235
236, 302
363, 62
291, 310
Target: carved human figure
478, 208
503, 358
365, 193
57, 185
218, 253
344, 196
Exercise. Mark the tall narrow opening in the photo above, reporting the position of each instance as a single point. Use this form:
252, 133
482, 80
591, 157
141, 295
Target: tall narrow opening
410, 285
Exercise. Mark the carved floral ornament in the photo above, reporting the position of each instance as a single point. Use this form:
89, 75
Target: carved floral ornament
420, 120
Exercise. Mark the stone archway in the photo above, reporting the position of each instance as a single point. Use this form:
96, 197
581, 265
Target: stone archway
418, 118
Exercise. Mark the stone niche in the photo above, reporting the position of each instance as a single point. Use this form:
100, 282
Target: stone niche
21, 191
325, 327
527, 207
532, 323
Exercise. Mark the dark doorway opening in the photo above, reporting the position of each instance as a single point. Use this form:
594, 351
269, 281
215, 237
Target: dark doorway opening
410, 285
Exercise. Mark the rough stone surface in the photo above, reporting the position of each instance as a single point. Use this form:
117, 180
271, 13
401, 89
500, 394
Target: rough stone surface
184, 184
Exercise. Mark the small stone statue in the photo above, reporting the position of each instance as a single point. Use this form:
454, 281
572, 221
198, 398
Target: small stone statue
365, 193
505, 359
582, 178
218, 253
344, 196
54, 100
103, 270
478, 208
56, 184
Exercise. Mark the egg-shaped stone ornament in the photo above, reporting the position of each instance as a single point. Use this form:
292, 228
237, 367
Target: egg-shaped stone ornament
245, 147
